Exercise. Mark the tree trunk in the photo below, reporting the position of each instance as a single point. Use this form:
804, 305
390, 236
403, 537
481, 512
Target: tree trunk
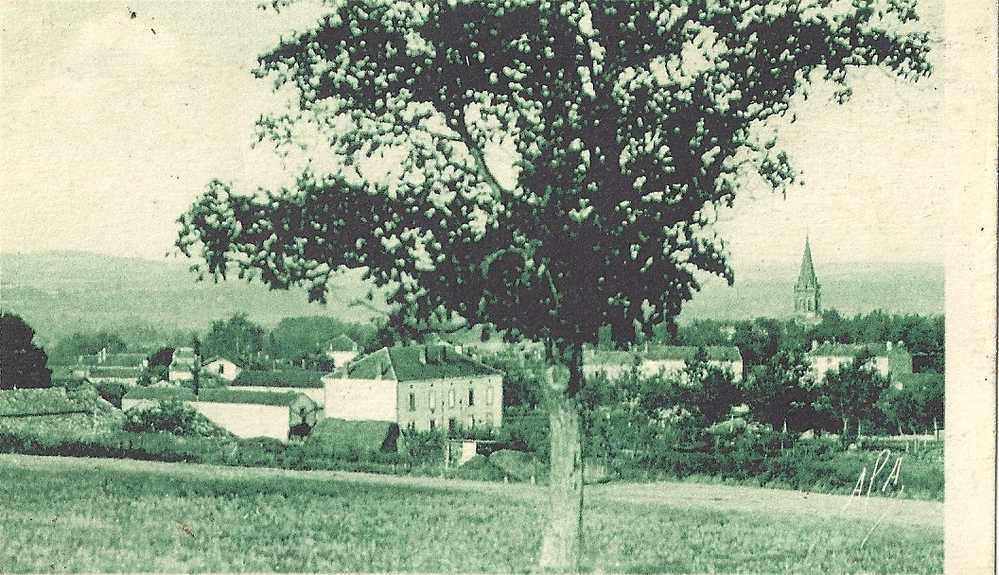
562, 541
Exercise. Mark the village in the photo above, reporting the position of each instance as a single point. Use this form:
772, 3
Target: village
453, 384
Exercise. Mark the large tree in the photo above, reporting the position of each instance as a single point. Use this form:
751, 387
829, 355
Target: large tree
22, 363
555, 166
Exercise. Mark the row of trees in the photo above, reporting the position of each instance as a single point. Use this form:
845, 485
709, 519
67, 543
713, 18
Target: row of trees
761, 338
781, 392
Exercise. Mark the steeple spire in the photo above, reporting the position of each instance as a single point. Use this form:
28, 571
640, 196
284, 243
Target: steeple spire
806, 277
807, 293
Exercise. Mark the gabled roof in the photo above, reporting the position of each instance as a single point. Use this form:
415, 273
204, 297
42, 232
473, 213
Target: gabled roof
342, 342
218, 358
297, 378
415, 362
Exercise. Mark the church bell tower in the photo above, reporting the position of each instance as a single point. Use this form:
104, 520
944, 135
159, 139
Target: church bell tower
807, 290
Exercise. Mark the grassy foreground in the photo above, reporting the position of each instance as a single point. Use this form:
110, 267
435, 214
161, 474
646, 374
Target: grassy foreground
99, 515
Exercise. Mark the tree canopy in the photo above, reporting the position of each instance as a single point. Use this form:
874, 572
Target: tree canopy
22, 363
625, 125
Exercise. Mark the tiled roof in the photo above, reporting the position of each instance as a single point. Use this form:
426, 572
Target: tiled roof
342, 343
664, 353
279, 378
415, 362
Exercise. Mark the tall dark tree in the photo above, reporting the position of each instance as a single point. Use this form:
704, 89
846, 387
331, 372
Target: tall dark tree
559, 163
851, 393
22, 363
779, 388
235, 338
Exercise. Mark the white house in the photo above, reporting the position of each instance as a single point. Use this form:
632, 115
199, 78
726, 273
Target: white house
221, 368
419, 387
342, 350
888, 359
667, 361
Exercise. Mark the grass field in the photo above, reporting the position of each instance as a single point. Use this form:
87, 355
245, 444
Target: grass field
109, 515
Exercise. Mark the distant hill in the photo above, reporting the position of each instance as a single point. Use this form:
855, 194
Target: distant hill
62, 292
58, 293
767, 291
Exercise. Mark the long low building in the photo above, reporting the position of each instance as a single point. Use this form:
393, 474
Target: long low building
666, 361
419, 387
242, 413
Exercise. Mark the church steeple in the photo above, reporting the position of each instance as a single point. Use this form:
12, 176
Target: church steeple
807, 289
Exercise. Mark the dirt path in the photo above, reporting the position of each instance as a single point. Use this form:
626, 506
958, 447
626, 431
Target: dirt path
709, 497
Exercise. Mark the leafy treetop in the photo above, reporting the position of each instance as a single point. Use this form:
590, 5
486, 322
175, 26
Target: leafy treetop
626, 125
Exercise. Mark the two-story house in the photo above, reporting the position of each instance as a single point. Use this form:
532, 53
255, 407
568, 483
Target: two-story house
419, 387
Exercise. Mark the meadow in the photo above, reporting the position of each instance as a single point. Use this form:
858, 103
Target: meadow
76, 515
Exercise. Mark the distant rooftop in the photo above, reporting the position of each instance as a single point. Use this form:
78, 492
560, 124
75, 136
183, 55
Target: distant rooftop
415, 362
834, 349
664, 353
342, 342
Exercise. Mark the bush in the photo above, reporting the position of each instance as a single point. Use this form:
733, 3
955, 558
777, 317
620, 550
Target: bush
479, 468
171, 417
111, 392
517, 465
424, 447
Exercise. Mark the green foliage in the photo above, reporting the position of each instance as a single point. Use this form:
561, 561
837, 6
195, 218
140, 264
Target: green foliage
22, 363
294, 335
68, 349
616, 172
334, 435
171, 417
424, 446
781, 390
161, 393
288, 377
851, 393
235, 338
479, 468
918, 406
15, 402
111, 392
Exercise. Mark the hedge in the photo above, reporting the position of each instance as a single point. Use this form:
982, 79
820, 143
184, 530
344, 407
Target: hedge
161, 393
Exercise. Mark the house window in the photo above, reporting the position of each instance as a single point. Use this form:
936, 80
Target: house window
489, 396
412, 401
471, 396
433, 399
221, 369
433, 424
452, 424
450, 397
411, 426
471, 422
489, 420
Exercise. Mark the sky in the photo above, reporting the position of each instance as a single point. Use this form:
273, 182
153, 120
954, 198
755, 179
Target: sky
113, 124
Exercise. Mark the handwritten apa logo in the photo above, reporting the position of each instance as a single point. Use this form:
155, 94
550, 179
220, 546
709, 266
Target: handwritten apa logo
884, 457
